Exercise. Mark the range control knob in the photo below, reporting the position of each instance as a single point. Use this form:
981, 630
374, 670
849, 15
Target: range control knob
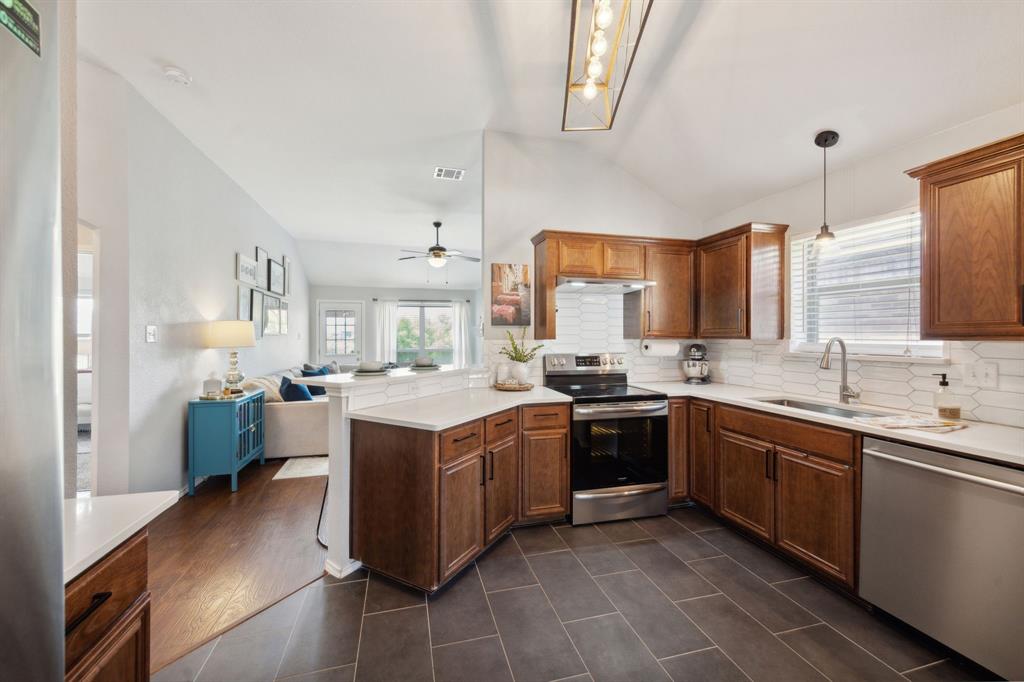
619, 361
561, 361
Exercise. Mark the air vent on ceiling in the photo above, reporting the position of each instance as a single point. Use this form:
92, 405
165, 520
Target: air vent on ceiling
441, 173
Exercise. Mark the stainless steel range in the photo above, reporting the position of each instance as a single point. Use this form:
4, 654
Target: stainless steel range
619, 451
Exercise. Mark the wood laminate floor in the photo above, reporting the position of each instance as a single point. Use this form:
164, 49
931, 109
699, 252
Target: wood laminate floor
217, 558
674, 598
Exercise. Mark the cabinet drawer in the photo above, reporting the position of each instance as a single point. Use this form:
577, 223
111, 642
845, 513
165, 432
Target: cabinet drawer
501, 426
545, 416
460, 440
831, 443
97, 598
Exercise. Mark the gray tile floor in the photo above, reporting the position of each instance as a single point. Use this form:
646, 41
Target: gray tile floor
670, 598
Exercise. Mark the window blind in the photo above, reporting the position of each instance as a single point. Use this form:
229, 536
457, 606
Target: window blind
865, 286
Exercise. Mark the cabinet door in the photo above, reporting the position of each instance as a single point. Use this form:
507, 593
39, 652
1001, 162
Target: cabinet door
700, 453
501, 501
623, 259
814, 511
123, 653
668, 306
678, 487
462, 512
545, 473
580, 257
972, 279
746, 488
722, 309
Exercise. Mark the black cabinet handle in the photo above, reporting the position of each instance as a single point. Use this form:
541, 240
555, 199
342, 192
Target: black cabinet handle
483, 469
490, 453
507, 421
466, 437
768, 463
98, 600
546, 414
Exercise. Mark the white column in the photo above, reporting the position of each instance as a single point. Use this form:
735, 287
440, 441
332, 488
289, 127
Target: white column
339, 486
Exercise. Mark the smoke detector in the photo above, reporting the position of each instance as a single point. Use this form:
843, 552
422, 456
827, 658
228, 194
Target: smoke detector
442, 173
178, 76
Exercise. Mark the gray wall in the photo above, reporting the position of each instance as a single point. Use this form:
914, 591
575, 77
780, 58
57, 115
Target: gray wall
169, 222
367, 294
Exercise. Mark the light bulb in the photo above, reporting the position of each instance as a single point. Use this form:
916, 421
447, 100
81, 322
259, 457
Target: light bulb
590, 90
595, 68
437, 261
599, 45
604, 16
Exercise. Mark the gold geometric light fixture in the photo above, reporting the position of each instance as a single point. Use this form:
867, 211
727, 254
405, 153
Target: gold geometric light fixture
603, 38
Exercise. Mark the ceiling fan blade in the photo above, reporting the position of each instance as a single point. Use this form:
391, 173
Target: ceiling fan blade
412, 257
422, 253
469, 258
454, 252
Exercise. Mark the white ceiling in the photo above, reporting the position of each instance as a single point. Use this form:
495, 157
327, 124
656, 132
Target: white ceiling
332, 263
333, 114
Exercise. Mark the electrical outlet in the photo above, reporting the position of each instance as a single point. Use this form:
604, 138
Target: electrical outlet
151, 335
982, 374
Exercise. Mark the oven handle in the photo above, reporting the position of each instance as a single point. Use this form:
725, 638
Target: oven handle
619, 407
631, 492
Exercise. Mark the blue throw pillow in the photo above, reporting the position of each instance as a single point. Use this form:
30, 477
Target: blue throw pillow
322, 372
291, 392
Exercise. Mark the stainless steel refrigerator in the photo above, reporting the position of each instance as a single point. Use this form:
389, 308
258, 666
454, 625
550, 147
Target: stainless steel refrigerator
31, 583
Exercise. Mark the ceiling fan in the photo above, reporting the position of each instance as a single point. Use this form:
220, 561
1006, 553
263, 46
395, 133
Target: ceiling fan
437, 256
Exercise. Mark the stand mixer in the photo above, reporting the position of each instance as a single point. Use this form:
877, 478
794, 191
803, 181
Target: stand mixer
696, 366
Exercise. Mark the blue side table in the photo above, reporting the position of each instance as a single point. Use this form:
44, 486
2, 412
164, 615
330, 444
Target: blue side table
224, 436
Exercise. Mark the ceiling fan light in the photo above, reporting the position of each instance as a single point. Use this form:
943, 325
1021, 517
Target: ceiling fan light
437, 260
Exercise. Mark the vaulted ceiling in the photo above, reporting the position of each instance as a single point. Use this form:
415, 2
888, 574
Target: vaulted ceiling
333, 114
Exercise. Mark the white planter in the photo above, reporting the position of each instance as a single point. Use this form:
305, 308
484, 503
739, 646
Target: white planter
520, 371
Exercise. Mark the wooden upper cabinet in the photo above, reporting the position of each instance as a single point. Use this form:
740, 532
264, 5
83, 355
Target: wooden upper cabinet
623, 259
580, 257
814, 511
668, 305
746, 487
741, 283
972, 245
723, 288
678, 441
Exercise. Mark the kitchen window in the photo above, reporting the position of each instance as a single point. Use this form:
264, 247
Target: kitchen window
864, 286
424, 329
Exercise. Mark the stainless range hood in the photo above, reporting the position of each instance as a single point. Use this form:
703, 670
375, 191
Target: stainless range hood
599, 285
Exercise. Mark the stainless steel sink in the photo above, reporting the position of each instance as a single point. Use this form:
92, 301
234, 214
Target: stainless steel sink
823, 408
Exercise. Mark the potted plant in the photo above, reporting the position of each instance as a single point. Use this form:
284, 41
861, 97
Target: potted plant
520, 356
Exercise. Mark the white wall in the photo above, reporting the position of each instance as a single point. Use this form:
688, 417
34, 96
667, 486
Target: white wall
532, 184
169, 222
367, 294
871, 187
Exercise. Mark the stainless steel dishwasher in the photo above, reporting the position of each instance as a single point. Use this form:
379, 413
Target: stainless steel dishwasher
942, 548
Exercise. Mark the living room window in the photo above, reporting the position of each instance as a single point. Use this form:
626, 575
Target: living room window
424, 328
341, 330
864, 286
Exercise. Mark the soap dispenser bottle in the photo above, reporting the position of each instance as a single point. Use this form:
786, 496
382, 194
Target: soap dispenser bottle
947, 405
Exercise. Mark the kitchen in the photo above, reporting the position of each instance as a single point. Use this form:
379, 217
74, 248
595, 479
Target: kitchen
731, 390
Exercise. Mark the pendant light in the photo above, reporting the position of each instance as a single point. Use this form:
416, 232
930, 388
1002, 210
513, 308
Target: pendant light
825, 139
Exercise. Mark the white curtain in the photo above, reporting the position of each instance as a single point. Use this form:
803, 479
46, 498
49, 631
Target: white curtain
460, 333
387, 331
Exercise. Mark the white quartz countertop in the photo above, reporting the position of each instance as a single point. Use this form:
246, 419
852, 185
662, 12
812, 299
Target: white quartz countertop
444, 410
348, 379
93, 526
987, 441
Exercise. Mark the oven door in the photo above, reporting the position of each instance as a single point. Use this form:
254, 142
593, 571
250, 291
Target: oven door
619, 460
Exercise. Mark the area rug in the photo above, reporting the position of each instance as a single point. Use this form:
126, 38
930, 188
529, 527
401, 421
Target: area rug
301, 467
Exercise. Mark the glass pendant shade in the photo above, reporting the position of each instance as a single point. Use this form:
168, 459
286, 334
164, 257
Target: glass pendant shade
437, 261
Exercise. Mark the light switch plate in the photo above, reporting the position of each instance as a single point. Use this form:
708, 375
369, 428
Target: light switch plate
151, 333
982, 374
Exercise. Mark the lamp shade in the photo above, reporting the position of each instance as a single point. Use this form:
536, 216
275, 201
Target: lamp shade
230, 334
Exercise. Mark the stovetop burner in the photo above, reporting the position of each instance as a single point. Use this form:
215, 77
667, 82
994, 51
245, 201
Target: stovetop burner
607, 393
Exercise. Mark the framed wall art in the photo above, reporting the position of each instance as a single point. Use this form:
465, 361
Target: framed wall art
271, 316
244, 303
284, 317
510, 295
262, 258
275, 277
246, 270
256, 310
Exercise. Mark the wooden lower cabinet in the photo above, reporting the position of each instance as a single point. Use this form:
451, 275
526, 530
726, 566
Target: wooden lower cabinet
815, 511
545, 482
501, 506
746, 489
462, 513
678, 442
123, 655
700, 453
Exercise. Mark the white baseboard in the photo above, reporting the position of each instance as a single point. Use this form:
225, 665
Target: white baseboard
341, 571
184, 490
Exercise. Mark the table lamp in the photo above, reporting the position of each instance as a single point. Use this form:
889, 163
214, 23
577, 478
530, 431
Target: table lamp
231, 334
